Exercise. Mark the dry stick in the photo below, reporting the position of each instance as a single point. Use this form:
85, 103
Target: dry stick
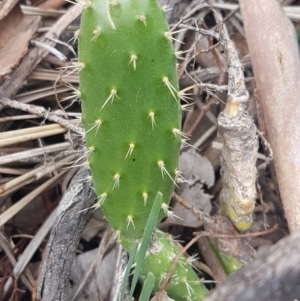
267, 146
200, 215
189, 56
207, 107
38, 159
203, 111
182, 69
246, 235
31, 248
238, 132
187, 16
70, 221
20, 117
231, 14
182, 251
205, 136
52, 50
40, 11
42, 112
207, 74
183, 65
13, 171
11, 257
211, 259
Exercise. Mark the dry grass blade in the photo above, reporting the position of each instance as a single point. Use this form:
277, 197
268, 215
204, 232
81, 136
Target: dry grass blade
36, 11
4, 246
53, 75
33, 245
18, 136
37, 94
13, 210
13, 171
34, 175
27, 131
19, 156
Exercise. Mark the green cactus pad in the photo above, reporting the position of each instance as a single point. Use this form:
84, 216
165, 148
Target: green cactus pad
132, 117
184, 284
131, 110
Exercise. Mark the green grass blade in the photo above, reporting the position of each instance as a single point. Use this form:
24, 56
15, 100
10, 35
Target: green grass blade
151, 223
128, 268
147, 287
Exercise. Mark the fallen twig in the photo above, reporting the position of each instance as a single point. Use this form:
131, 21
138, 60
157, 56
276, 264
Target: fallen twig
42, 112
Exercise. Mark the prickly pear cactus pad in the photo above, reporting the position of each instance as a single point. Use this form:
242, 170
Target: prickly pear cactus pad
185, 284
131, 111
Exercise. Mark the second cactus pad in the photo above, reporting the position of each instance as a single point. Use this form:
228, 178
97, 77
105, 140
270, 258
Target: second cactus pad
131, 110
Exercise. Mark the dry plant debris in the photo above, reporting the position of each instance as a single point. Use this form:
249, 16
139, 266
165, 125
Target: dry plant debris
15, 29
41, 147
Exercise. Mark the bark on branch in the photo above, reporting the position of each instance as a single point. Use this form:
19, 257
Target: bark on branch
63, 242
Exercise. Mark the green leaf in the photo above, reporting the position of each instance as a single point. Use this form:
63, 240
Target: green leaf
128, 268
147, 287
146, 239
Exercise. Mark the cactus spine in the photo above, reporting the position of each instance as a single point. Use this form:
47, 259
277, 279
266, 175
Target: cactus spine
132, 115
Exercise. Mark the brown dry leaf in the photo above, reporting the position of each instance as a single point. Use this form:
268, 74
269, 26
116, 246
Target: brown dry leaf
6, 6
15, 32
197, 170
104, 275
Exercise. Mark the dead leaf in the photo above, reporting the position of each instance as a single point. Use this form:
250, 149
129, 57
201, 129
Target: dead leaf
104, 276
15, 29
6, 6
197, 170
